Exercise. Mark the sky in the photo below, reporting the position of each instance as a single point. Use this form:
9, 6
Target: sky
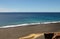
29, 5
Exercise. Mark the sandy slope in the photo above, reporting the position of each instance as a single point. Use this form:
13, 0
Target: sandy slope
18, 32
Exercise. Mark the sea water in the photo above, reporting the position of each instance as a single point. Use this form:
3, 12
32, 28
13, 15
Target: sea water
10, 19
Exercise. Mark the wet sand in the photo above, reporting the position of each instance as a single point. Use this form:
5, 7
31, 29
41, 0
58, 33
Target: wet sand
17, 32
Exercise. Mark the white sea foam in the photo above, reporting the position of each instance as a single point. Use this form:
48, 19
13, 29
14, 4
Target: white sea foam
29, 24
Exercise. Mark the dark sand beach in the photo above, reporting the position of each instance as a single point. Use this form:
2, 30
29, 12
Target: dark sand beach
17, 32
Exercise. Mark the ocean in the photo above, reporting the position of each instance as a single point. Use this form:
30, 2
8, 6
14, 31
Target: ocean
11, 19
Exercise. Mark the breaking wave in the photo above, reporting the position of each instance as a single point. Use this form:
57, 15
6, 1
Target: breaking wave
29, 24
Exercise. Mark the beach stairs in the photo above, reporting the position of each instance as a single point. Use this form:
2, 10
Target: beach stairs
49, 35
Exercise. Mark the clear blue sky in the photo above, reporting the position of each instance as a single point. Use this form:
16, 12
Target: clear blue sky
29, 5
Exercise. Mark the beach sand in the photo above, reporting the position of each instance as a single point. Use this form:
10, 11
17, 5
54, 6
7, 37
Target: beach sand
22, 31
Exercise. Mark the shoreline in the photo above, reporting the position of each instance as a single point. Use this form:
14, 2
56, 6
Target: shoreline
21, 31
27, 24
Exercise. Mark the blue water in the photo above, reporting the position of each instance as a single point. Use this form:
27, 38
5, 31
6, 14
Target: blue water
13, 18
